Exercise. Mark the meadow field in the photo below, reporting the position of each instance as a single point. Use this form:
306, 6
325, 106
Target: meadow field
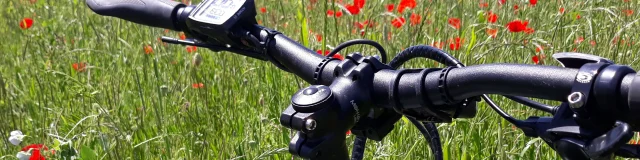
109, 89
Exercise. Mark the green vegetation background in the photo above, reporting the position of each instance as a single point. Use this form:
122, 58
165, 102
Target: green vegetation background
125, 104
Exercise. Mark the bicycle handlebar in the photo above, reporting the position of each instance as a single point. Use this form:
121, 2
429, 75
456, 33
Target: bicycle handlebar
155, 13
359, 92
546, 82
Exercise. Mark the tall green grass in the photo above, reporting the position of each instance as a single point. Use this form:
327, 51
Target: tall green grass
130, 105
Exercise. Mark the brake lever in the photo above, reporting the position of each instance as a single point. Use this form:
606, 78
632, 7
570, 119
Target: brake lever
601, 147
215, 48
571, 141
608, 143
191, 43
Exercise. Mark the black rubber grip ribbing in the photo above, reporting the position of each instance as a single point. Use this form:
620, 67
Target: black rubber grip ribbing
298, 59
154, 13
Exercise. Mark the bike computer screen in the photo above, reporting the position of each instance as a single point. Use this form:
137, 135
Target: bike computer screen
219, 12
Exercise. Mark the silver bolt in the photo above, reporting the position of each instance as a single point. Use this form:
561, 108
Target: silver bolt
584, 77
310, 124
576, 100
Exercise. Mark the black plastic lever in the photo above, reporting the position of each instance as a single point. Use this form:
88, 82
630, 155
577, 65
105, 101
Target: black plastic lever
606, 144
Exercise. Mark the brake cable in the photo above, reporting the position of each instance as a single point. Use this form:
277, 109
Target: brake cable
428, 130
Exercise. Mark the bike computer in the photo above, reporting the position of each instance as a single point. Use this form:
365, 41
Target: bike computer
219, 13
217, 18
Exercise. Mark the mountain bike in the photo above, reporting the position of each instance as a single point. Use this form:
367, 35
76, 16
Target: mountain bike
368, 95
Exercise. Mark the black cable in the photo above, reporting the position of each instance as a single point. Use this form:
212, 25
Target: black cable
428, 130
425, 52
359, 143
533, 104
383, 53
358, 148
430, 133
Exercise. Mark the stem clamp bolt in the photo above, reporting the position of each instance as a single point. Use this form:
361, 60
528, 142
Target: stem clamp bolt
576, 100
310, 124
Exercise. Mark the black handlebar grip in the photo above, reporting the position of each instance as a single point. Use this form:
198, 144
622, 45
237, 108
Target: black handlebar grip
155, 13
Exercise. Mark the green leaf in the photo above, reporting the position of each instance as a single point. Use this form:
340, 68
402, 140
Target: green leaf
75, 2
56, 145
445, 151
529, 144
87, 153
473, 40
303, 22
406, 121
481, 18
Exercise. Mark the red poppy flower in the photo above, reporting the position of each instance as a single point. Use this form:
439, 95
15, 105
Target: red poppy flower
492, 32
535, 59
359, 3
492, 18
529, 30
191, 49
561, 10
339, 14
454, 22
348, 132
197, 85
455, 43
338, 56
501, 2
182, 36
517, 25
389, 7
35, 151
483, 5
354, 10
330, 13
398, 22
148, 49
263, 10
579, 40
438, 44
326, 52
578, 16
360, 25
319, 37
628, 12
539, 48
406, 4
79, 67
415, 19
26, 23
516, 7
533, 2
593, 43
322, 53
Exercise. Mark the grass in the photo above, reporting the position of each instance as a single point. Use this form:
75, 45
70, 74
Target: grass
126, 104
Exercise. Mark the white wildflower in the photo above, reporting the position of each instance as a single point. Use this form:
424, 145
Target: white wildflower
22, 155
16, 132
16, 137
